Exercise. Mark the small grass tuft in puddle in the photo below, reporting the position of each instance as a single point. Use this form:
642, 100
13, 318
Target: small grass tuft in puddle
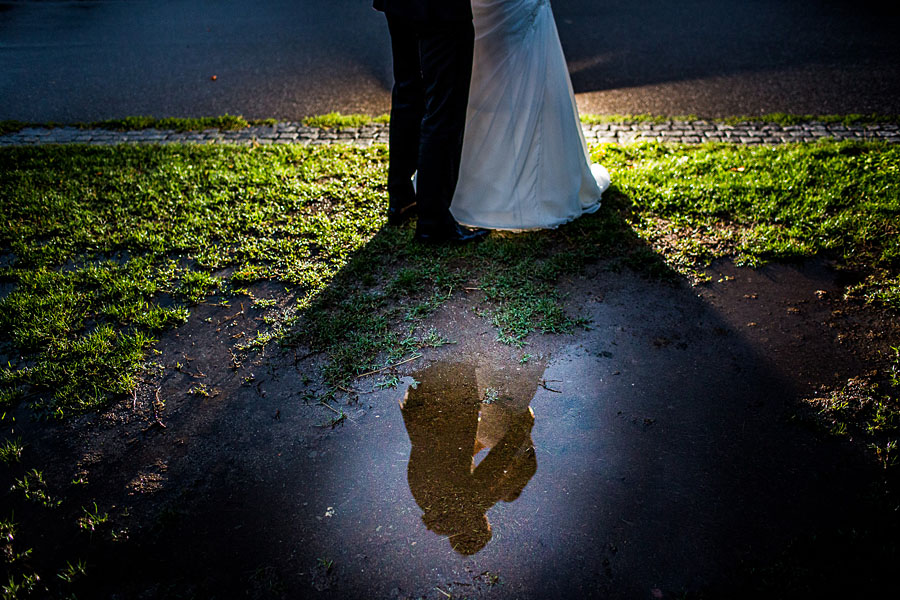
11, 451
73, 571
34, 489
91, 519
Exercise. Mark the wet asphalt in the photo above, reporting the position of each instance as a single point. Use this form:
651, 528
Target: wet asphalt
87, 60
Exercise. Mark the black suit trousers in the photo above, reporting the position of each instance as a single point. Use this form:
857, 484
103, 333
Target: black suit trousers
432, 71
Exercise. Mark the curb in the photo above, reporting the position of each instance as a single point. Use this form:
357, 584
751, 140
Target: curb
287, 132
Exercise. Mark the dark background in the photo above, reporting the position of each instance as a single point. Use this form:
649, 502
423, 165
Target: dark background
83, 60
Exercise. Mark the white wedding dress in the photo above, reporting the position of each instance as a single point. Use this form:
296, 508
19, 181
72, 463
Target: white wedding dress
524, 162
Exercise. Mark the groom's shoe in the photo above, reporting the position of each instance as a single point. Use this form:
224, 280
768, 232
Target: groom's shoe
398, 215
455, 234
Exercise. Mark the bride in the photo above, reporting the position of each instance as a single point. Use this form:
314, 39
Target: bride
524, 161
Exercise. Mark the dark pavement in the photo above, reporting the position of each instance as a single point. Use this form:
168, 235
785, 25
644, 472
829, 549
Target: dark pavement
87, 60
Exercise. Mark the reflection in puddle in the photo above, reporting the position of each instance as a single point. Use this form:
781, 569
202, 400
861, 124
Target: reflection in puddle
455, 412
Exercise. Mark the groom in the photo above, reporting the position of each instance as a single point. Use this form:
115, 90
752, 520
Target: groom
432, 43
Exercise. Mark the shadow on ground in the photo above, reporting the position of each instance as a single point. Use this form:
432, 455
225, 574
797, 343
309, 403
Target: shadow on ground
656, 453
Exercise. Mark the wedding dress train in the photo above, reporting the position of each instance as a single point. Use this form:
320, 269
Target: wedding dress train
524, 162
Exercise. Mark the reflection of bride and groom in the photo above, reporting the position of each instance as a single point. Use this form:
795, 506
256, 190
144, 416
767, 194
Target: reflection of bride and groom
483, 115
455, 412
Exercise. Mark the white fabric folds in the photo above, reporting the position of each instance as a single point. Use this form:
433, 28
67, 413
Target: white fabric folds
524, 163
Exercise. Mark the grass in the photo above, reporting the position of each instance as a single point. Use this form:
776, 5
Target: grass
11, 451
10, 126
107, 248
72, 572
756, 204
34, 489
104, 249
591, 119
90, 520
783, 119
335, 120
16, 588
369, 314
795, 119
867, 409
223, 123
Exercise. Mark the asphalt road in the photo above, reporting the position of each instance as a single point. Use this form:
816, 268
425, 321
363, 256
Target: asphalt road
95, 59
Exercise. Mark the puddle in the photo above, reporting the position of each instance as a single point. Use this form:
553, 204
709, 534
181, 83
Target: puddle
455, 412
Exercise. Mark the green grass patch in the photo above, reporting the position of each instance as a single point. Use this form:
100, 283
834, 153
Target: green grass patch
335, 120
224, 123
694, 204
103, 249
795, 119
880, 287
11, 127
867, 410
783, 119
591, 119
369, 316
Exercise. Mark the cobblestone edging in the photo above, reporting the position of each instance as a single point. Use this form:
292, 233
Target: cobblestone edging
687, 132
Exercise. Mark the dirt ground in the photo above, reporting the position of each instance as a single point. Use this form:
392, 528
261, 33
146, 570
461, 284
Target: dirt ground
670, 453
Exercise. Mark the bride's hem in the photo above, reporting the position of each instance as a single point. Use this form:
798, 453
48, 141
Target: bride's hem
588, 210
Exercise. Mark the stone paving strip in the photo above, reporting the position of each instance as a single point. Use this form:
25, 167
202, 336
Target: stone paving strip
685, 132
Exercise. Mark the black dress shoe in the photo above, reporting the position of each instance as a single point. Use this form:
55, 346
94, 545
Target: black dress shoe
456, 234
398, 215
